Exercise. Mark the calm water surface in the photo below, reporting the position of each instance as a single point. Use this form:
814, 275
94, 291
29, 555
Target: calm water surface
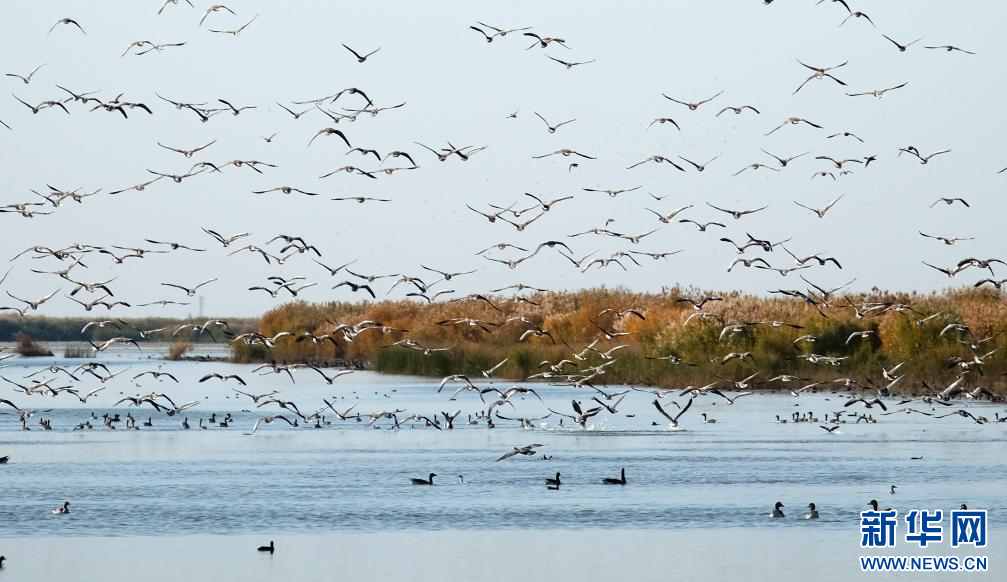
348, 477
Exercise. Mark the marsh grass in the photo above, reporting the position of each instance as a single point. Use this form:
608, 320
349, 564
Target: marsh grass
569, 316
28, 348
77, 351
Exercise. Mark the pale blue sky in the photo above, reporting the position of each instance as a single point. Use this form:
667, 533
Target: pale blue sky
459, 88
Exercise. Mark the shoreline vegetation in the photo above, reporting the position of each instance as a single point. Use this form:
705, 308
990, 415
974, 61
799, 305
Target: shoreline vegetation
901, 327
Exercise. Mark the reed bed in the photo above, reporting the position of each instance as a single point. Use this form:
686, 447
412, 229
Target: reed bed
572, 319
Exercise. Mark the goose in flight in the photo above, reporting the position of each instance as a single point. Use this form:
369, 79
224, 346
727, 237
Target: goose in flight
673, 420
995, 283
175, 3
502, 32
964, 414
949, 48
222, 377
32, 305
699, 167
581, 415
111, 342
269, 420
35, 109
667, 218
66, 21
752, 262
867, 403
859, 334
845, 134
237, 31
545, 41
488, 373
189, 152
820, 211
569, 64
737, 214
902, 47
950, 201
565, 152
612, 193
877, 92
354, 287
327, 131
793, 121
550, 127
361, 57
190, 291
156, 375
858, 14
754, 166
737, 110
947, 240
819, 73
213, 9
663, 120
330, 379
526, 450
25, 78
695, 105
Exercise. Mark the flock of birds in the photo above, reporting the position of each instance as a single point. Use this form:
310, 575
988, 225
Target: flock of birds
585, 365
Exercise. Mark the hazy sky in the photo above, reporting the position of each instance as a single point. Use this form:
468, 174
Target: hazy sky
459, 88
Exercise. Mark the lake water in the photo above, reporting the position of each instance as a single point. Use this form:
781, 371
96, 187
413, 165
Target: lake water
692, 495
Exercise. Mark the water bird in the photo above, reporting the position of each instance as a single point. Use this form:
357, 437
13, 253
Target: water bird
777, 510
428, 481
874, 505
812, 512
553, 481
621, 480
62, 509
270, 548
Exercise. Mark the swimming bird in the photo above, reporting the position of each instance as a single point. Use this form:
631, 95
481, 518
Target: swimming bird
270, 548
874, 506
62, 509
428, 481
777, 510
553, 481
621, 480
812, 512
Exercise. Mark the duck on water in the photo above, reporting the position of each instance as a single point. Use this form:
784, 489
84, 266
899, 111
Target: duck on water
428, 481
613, 481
